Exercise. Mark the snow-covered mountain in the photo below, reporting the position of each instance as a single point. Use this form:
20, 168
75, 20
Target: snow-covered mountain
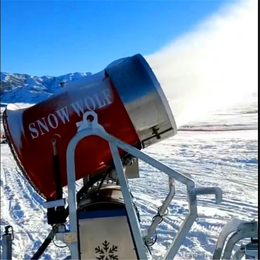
23, 88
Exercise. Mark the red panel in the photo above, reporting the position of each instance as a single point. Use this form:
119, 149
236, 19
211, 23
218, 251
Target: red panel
57, 117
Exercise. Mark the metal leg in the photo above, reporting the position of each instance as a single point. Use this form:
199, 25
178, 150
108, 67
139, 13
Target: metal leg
187, 224
183, 231
8, 237
239, 253
240, 229
229, 228
129, 204
245, 230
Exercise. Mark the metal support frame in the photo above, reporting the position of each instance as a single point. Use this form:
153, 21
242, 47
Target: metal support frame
229, 228
245, 230
240, 253
236, 230
162, 210
8, 237
87, 128
136, 231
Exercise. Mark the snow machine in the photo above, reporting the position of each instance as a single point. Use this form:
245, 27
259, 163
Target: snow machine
94, 129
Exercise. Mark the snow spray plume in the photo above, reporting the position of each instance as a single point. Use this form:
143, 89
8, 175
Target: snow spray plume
212, 66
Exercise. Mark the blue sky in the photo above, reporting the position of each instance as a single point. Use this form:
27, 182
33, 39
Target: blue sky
59, 37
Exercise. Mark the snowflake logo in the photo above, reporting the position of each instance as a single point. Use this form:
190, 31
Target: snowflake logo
106, 252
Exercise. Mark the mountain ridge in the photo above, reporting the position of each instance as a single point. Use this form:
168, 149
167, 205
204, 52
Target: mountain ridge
24, 88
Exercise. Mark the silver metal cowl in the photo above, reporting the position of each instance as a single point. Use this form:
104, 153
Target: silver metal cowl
143, 99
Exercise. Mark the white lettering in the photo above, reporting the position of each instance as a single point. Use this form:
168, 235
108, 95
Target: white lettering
100, 105
43, 125
63, 114
55, 122
33, 130
51, 121
107, 95
78, 107
89, 103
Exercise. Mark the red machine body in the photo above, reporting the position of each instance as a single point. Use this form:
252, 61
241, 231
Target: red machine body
30, 131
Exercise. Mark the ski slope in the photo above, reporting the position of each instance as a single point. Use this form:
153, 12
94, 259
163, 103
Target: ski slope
214, 150
213, 64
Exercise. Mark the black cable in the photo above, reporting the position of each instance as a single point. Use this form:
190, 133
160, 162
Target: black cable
57, 176
101, 182
43, 246
160, 216
89, 184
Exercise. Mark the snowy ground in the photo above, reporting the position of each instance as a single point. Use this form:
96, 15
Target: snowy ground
227, 159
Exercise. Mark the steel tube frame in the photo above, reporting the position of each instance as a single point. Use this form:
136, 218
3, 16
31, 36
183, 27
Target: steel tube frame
229, 228
239, 229
87, 128
239, 253
136, 231
249, 230
162, 210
